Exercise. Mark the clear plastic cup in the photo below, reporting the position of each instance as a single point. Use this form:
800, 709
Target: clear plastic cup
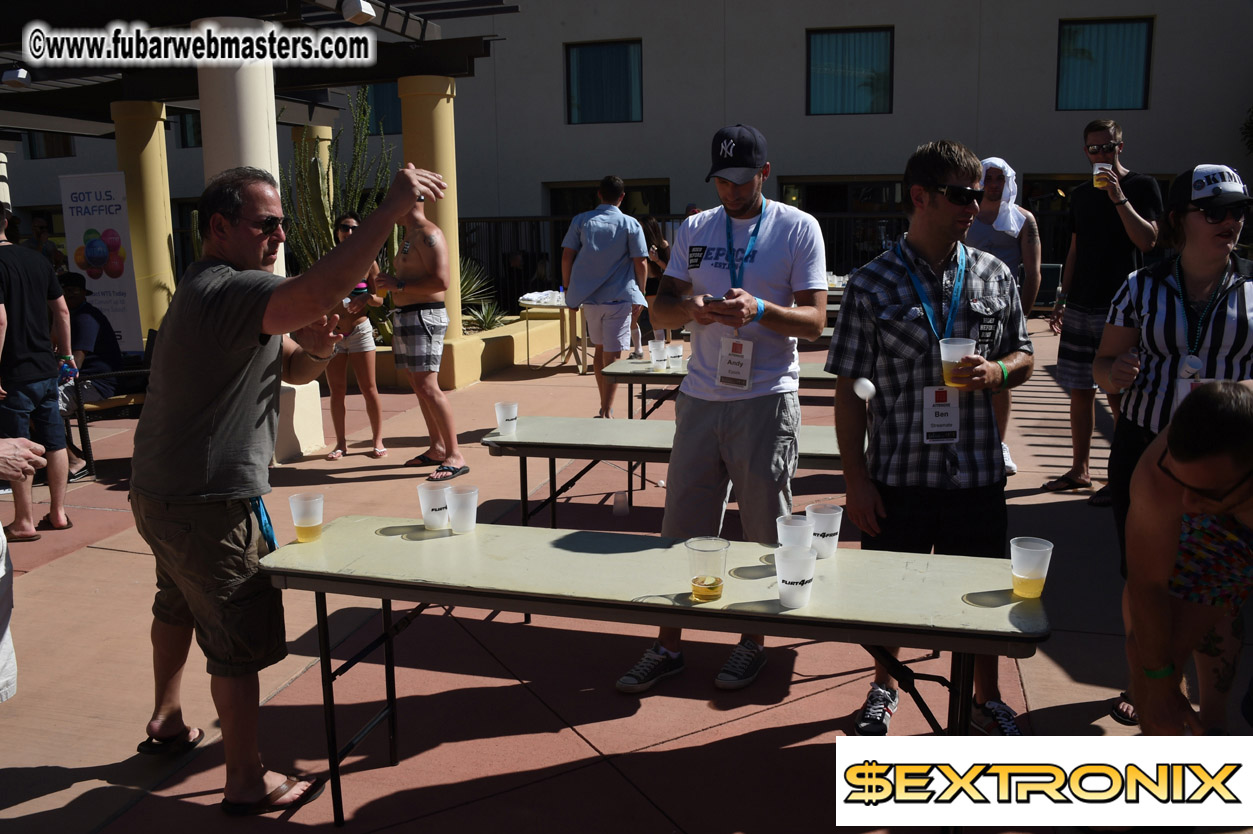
1099, 171
794, 567
826, 519
707, 565
463, 508
507, 418
306, 514
951, 353
1029, 565
433, 498
795, 530
674, 357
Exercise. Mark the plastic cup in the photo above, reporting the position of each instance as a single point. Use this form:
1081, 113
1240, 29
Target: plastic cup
795, 568
826, 519
463, 508
795, 530
1099, 170
656, 347
951, 353
707, 565
674, 357
507, 418
433, 497
1029, 565
306, 514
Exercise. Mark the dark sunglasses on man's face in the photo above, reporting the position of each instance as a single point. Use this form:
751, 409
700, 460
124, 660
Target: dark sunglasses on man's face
959, 195
269, 224
1216, 214
344, 227
1108, 147
1215, 495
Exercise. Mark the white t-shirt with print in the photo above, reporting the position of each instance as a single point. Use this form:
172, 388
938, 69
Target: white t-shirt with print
788, 257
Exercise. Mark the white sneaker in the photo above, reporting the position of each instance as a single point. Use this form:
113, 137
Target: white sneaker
1011, 468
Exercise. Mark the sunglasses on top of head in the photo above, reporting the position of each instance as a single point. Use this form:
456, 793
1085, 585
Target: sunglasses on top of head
269, 224
1108, 147
1216, 214
960, 195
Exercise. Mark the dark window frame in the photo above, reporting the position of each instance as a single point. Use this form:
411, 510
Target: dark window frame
569, 108
1062, 23
809, 43
30, 151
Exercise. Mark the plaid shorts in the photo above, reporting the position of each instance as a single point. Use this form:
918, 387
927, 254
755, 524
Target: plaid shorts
418, 336
1082, 328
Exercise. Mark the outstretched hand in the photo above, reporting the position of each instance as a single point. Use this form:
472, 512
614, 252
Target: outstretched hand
319, 337
410, 184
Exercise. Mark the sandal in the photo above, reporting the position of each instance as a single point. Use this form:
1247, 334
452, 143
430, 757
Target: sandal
378, 453
1102, 497
1065, 483
336, 455
266, 804
1116, 713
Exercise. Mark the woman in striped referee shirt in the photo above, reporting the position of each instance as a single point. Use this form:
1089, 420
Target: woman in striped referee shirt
1173, 326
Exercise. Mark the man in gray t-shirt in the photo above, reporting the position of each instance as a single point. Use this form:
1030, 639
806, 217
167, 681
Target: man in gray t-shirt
202, 447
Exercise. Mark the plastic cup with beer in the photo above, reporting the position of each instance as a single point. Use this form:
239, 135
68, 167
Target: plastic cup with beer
794, 567
795, 530
433, 498
1099, 172
306, 514
463, 508
951, 353
826, 519
1029, 564
707, 565
507, 418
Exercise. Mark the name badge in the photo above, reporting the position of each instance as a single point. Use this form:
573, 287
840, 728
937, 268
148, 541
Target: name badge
1184, 387
940, 414
735, 364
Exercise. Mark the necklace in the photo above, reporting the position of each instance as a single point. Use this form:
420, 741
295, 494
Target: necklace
1194, 335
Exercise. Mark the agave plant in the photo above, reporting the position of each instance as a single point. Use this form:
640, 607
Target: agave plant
477, 285
486, 315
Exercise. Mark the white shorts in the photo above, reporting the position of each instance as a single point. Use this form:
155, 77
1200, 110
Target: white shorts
359, 340
8, 660
609, 325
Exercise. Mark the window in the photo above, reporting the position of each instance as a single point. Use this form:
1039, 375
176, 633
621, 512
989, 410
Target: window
384, 102
189, 130
40, 144
603, 83
850, 71
1103, 64
642, 197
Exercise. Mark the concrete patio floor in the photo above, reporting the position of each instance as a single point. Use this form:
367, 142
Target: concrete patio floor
505, 726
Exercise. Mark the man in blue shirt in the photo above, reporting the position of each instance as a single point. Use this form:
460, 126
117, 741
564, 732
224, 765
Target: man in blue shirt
604, 261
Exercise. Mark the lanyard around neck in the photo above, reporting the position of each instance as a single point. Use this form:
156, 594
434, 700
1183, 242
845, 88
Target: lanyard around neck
1193, 337
929, 310
737, 275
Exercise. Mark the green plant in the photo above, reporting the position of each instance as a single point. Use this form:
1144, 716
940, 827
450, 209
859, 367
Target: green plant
476, 284
486, 315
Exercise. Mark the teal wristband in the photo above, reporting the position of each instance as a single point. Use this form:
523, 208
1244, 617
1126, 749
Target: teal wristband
1004, 375
1164, 672
761, 310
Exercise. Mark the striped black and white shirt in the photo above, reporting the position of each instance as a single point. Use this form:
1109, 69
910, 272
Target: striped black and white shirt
1149, 301
882, 333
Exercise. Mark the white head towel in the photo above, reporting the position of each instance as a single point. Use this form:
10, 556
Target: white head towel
1008, 219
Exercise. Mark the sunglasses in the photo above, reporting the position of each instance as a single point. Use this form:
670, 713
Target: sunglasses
1217, 496
269, 224
1216, 214
959, 195
1108, 147
344, 227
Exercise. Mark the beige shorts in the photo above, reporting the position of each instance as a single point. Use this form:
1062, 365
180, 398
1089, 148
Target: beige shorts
609, 325
207, 558
358, 340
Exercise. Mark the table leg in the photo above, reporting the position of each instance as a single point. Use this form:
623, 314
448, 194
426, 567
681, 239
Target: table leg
552, 491
962, 695
389, 666
328, 708
631, 401
526, 510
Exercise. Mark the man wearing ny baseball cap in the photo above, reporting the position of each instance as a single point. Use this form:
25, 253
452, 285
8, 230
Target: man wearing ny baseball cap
748, 278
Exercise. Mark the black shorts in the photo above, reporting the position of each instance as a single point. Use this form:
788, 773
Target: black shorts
958, 522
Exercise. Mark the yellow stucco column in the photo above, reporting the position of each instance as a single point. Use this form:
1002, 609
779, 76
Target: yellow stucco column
140, 140
430, 142
319, 164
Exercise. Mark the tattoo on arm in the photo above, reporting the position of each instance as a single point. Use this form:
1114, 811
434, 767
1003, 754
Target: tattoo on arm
1031, 230
430, 241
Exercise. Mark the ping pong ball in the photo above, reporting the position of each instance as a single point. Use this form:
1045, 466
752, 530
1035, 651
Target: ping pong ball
864, 388
661, 484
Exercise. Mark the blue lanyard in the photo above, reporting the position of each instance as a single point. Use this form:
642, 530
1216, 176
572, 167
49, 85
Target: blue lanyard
263, 517
926, 302
737, 276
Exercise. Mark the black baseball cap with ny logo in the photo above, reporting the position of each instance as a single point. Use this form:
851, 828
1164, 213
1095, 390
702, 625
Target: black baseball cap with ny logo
738, 154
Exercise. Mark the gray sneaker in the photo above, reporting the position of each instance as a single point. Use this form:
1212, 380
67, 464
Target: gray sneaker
876, 714
652, 667
742, 667
995, 719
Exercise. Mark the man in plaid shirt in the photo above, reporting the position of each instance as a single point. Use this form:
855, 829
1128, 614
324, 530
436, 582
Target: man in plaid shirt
932, 475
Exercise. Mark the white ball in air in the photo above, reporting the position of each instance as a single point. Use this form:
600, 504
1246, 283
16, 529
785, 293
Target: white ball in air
864, 388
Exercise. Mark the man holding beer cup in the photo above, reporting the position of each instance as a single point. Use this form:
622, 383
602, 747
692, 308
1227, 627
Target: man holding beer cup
932, 475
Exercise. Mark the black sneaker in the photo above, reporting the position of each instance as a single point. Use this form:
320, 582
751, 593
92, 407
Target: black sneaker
876, 714
742, 667
995, 719
652, 667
